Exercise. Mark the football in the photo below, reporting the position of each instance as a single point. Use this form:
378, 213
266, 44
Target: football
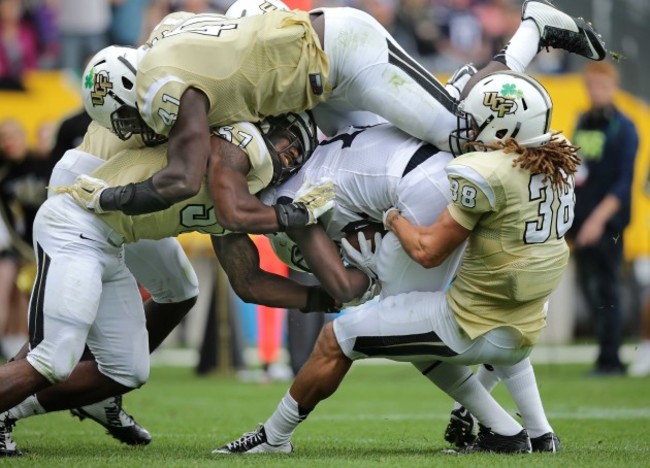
369, 229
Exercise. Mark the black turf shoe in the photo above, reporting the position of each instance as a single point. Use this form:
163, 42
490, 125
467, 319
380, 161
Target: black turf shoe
492, 442
548, 442
462, 428
110, 414
253, 442
8, 447
561, 31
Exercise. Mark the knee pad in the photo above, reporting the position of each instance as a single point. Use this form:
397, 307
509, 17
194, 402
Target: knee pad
56, 360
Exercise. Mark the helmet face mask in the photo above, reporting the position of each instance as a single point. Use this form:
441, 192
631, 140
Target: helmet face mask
292, 134
500, 106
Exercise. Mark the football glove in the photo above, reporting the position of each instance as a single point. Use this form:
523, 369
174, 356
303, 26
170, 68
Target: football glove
374, 288
365, 259
86, 191
318, 198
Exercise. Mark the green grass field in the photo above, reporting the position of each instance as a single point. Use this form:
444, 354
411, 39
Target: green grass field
384, 415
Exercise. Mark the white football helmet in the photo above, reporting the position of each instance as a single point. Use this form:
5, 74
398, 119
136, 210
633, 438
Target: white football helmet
254, 7
300, 131
503, 105
109, 94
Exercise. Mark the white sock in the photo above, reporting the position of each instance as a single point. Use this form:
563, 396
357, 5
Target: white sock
523, 47
462, 385
487, 376
29, 407
283, 422
522, 385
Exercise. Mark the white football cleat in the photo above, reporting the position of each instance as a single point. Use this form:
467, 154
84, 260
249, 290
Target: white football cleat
561, 31
253, 442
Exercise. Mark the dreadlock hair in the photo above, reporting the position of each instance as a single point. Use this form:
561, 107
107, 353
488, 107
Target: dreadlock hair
557, 160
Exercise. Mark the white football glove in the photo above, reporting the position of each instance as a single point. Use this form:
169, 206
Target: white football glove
86, 191
373, 289
318, 198
364, 258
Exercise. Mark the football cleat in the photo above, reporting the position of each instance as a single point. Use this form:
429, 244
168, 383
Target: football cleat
110, 414
561, 31
462, 428
548, 442
254, 442
459, 79
489, 441
8, 447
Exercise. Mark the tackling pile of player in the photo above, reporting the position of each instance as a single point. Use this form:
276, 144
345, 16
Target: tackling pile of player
211, 127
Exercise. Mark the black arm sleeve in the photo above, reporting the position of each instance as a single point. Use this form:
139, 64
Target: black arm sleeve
319, 301
133, 199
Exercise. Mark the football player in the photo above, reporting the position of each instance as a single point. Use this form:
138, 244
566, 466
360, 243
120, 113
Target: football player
84, 293
205, 70
521, 189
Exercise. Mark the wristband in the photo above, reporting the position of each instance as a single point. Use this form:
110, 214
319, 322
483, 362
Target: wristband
291, 215
133, 199
319, 301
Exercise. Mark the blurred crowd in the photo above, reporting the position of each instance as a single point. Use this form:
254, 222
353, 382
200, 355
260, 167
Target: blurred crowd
62, 34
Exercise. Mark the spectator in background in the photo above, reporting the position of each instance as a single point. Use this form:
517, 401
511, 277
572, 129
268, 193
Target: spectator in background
127, 21
18, 45
462, 36
43, 15
23, 178
83, 25
609, 142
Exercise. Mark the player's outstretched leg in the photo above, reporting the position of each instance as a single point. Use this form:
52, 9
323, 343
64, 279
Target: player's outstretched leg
118, 423
562, 31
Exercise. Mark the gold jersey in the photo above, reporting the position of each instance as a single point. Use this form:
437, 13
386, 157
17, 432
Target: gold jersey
104, 144
516, 253
193, 214
248, 68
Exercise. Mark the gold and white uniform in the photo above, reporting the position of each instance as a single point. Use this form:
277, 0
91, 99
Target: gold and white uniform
516, 254
495, 308
270, 64
193, 214
85, 291
248, 67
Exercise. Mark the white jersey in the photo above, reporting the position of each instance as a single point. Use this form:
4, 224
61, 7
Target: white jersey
375, 169
366, 165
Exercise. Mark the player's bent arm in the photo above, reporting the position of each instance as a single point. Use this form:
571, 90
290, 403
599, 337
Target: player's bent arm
187, 155
187, 151
240, 259
234, 206
431, 245
324, 260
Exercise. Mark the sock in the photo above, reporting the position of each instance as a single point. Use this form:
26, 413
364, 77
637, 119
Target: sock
487, 376
283, 422
462, 385
29, 407
522, 48
521, 383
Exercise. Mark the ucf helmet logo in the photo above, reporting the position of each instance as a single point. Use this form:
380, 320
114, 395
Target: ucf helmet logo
502, 105
99, 85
